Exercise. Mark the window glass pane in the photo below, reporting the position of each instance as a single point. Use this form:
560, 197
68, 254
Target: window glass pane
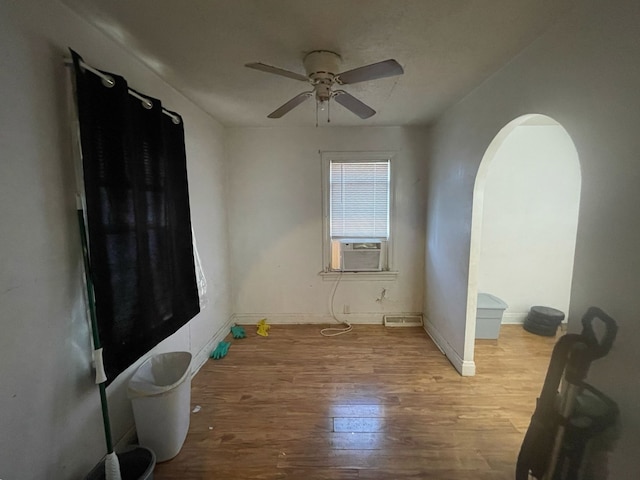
359, 199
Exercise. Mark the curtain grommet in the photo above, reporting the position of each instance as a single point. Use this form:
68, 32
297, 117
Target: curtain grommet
108, 81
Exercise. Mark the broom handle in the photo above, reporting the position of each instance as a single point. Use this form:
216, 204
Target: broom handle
94, 328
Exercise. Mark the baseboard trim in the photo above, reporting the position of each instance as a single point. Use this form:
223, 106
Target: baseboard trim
130, 437
313, 319
515, 318
203, 355
466, 368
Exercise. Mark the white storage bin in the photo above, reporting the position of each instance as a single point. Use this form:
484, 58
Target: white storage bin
160, 393
489, 316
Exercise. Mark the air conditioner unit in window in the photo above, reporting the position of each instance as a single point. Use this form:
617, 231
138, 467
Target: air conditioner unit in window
360, 255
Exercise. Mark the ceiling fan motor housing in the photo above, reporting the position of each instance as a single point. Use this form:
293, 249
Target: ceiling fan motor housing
322, 66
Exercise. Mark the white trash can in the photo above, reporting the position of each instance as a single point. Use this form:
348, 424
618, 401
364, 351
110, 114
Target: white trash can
160, 393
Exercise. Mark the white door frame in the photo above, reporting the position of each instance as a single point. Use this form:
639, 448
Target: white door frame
476, 230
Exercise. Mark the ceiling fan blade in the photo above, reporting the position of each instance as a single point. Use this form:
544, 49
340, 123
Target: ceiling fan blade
386, 68
290, 105
278, 71
351, 103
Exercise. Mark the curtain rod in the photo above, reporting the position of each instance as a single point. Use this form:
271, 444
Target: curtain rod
109, 82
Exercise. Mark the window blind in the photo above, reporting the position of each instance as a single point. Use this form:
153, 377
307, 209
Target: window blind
359, 199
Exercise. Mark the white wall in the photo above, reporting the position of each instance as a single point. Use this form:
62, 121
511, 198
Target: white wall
530, 220
584, 74
275, 211
50, 422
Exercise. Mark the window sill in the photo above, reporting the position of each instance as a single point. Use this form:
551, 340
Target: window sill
364, 276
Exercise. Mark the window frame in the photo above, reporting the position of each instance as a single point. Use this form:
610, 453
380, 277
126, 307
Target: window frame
356, 157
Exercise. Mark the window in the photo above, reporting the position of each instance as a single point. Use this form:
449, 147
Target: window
357, 191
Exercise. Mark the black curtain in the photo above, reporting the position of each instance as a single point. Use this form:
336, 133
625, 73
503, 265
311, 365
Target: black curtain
139, 225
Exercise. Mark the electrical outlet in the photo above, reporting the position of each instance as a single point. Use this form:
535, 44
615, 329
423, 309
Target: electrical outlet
346, 309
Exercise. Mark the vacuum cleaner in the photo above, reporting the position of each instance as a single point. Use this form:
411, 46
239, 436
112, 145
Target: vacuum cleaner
566, 437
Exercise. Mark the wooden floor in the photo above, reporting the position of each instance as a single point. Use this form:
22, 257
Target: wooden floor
377, 403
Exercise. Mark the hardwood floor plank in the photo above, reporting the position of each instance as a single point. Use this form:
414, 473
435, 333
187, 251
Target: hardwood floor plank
375, 459
377, 403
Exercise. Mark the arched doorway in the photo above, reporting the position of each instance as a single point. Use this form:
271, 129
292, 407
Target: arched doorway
524, 220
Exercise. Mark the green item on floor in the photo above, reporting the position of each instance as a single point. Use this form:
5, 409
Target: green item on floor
221, 350
238, 332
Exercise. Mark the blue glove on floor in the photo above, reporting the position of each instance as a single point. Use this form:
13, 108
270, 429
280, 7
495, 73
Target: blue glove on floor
221, 350
238, 332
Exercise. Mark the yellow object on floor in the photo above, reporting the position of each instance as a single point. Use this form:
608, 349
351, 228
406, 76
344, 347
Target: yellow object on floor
263, 328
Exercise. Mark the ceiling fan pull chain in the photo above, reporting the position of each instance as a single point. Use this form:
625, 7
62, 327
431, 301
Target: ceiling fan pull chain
329, 110
316, 113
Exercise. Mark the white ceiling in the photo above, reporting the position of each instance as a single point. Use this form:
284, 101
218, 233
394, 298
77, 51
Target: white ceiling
447, 47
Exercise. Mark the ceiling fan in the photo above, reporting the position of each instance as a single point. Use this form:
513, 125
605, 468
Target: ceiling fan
322, 67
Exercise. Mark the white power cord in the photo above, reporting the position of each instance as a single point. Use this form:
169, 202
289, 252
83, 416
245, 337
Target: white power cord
335, 331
